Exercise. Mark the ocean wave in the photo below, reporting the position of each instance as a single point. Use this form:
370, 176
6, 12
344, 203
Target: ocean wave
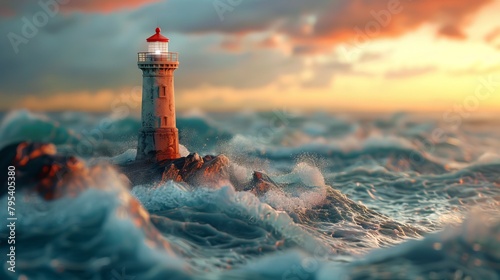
470, 251
23, 125
96, 233
351, 197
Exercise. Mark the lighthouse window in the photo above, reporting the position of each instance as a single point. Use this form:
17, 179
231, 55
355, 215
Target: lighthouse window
163, 91
164, 123
158, 47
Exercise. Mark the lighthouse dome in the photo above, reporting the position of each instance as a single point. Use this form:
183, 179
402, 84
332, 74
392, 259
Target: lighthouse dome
157, 43
157, 37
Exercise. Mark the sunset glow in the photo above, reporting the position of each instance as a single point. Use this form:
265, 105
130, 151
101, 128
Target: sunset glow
326, 55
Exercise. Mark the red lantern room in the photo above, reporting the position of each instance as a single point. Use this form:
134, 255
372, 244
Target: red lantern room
157, 43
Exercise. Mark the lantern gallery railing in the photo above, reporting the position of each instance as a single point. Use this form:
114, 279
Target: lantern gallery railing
162, 56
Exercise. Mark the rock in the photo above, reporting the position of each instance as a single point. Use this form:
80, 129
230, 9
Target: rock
214, 172
37, 167
209, 171
216, 167
171, 173
40, 169
260, 184
192, 163
197, 171
193, 169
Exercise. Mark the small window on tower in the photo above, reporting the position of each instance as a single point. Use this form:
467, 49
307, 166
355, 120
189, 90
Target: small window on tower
164, 124
163, 91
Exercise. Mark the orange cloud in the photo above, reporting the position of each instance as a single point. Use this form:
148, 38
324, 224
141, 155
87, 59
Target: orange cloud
231, 44
358, 21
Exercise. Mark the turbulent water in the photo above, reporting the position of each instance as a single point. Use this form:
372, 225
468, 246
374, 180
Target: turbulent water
361, 197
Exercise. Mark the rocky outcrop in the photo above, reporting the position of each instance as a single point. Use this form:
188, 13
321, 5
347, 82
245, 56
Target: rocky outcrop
196, 171
193, 169
40, 168
37, 167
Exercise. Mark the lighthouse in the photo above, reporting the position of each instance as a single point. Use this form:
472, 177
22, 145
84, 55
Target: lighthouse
158, 137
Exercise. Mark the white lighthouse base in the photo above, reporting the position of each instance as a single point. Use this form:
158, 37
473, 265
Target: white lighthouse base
158, 145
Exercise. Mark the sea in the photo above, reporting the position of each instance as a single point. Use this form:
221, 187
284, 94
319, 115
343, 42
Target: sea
361, 196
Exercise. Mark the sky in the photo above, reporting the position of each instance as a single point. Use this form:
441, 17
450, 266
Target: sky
237, 55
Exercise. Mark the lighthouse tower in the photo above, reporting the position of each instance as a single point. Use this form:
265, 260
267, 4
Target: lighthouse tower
158, 137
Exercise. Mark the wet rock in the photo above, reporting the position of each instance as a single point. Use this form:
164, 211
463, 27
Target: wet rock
190, 164
260, 184
40, 169
171, 173
216, 165
193, 169
196, 170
